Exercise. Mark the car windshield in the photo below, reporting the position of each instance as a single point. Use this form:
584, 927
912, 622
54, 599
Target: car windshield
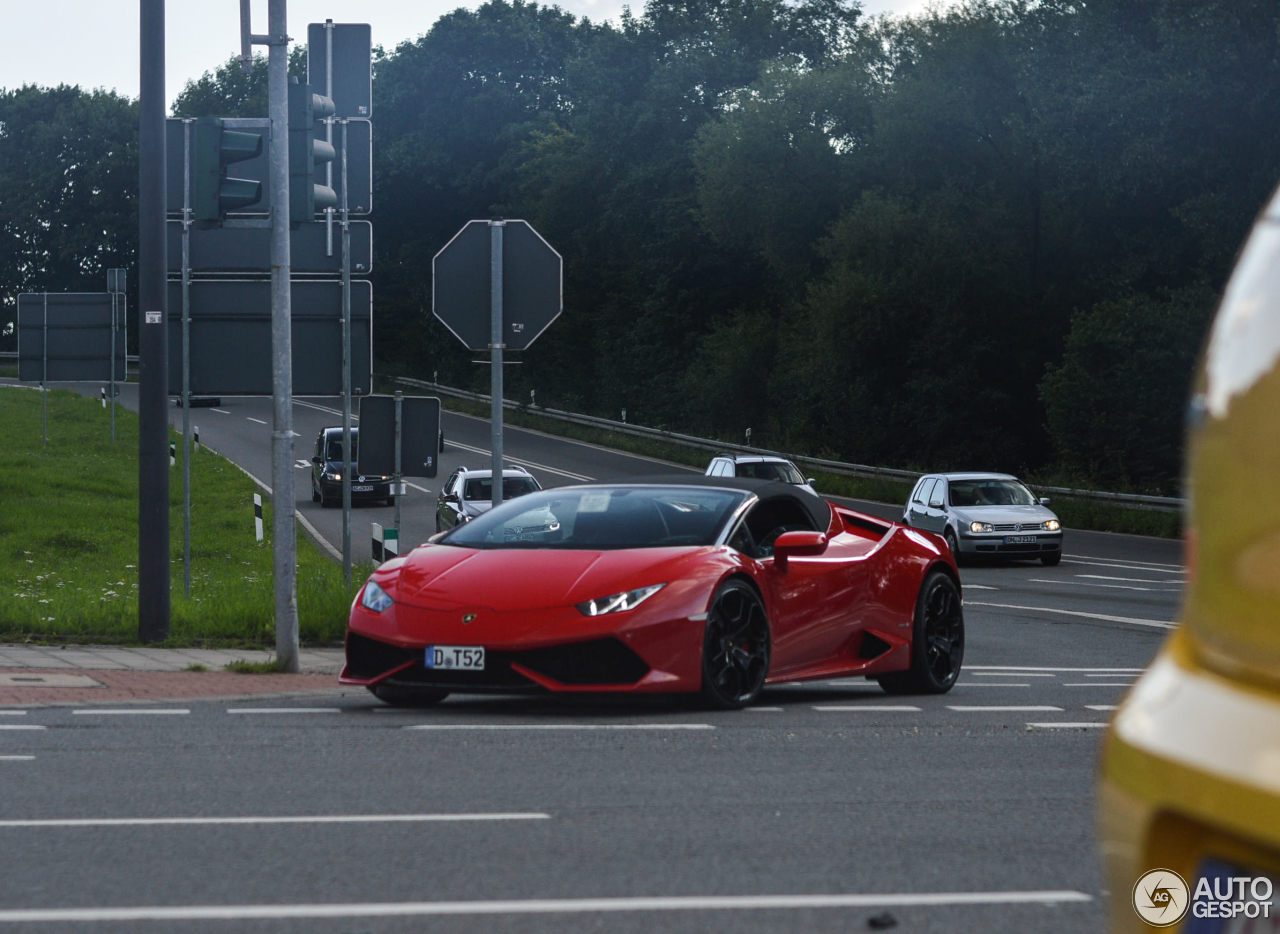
333, 452
600, 519
770, 470
481, 488
991, 493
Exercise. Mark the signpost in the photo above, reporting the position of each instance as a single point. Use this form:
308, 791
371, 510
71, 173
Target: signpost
497, 285
399, 436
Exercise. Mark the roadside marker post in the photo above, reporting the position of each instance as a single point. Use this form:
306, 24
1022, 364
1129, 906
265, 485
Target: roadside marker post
103, 393
257, 515
385, 543
173, 453
376, 544
195, 436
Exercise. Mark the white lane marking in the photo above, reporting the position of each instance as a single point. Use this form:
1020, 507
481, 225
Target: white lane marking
1153, 623
1003, 709
765, 709
1113, 676
540, 906
1124, 567
1130, 580
222, 411
323, 408
16, 758
979, 587
877, 708
13, 713
258, 420
1084, 725
560, 726
131, 711
21, 726
416, 487
304, 819
1014, 674
284, 710
1042, 580
1101, 684
1102, 707
1154, 564
1020, 668
521, 461
990, 684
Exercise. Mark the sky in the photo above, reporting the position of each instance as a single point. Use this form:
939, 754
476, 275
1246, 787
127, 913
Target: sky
94, 43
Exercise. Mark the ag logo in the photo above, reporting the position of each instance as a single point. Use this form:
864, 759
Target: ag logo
468, 618
1161, 897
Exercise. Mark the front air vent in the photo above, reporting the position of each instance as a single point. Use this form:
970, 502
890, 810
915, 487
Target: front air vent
872, 646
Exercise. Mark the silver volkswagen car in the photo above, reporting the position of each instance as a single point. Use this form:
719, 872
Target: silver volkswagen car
986, 514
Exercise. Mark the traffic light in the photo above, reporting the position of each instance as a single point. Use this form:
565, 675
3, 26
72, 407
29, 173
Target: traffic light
213, 194
306, 152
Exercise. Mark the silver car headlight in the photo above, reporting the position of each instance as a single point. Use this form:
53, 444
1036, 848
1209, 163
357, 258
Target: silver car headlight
980, 527
1051, 525
375, 598
619, 602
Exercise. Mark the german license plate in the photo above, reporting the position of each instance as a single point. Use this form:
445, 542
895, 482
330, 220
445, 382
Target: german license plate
1019, 539
362, 489
455, 657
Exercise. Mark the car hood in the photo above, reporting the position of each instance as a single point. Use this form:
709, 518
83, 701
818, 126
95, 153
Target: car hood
506, 579
1002, 514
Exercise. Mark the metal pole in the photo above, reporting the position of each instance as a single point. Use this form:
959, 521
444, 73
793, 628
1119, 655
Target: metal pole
44, 374
113, 366
153, 336
284, 542
186, 358
246, 39
346, 362
328, 136
399, 404
496, 346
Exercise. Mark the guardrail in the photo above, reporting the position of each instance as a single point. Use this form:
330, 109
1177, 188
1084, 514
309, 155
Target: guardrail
864, 471
13, 355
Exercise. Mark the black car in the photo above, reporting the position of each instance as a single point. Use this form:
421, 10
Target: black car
467, 493
326, 472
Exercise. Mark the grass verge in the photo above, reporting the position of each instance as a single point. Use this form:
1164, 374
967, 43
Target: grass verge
1075, 514
69, 539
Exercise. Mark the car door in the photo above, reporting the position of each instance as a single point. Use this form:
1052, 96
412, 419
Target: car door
317, 463
918, 507
446, 517
935, 517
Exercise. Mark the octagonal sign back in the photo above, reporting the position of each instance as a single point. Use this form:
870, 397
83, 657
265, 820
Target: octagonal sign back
532, 285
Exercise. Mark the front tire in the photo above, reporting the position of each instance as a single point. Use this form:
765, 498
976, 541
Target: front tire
937, 641
952, 543
736, 648
407, 697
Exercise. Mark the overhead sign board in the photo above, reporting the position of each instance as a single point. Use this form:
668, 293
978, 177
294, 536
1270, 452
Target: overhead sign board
532, 285
419, 436
230, 337
350, 82
68, 337
248, 249
359, 165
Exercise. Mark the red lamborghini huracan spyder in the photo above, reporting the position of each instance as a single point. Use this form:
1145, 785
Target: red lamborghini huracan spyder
703, 584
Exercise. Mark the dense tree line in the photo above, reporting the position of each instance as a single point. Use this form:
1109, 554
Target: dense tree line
990, 235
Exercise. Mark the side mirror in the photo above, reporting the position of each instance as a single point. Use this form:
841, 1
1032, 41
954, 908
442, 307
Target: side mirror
1044, 501
810, 481
797, 545
935, 504
316, 460
442, 442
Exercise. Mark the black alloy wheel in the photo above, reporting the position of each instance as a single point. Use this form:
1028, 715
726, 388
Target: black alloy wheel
407, 697
937, 641
735, 647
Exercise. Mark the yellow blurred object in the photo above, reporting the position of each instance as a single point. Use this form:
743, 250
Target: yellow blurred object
1191, 767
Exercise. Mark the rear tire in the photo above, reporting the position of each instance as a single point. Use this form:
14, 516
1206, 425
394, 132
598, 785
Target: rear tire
937, 641
736, 648
407, 697
1051, 560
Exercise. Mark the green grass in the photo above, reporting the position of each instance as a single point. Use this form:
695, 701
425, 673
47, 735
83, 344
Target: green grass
69, 539
242, 667
1075, 514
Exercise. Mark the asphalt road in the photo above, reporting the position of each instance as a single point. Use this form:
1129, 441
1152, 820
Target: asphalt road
830, 790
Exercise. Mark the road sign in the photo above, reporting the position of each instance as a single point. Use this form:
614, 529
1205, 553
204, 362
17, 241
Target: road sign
248, 249
75, 329
359, 165
231, 337
419, 436
532, 280
351, 84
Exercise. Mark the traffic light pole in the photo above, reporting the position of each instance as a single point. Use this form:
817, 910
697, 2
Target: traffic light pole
284, 541
186, 358
495, 347
346, 344
153, 344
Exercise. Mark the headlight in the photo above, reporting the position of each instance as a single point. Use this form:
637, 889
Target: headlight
335, 476
375, 598
979, 526
1052, 525
618, 602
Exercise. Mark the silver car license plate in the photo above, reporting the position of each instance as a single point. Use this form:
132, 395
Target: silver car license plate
1019, 539
362, 489
455, 657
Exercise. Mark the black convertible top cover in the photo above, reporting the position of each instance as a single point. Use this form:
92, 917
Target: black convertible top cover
817, 508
